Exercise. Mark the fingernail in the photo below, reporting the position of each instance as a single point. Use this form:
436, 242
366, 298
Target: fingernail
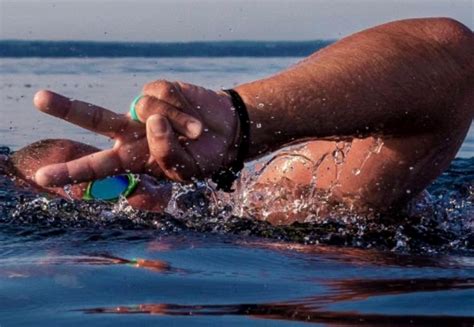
194, 128
159, 126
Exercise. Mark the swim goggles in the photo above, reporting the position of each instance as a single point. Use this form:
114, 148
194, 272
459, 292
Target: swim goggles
111, 188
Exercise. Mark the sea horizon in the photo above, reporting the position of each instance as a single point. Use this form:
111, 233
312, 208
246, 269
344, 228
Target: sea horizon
17, 48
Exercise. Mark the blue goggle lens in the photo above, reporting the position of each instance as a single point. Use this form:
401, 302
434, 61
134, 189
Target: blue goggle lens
109, 188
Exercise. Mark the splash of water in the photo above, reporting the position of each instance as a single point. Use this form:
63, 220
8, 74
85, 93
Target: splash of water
442, 222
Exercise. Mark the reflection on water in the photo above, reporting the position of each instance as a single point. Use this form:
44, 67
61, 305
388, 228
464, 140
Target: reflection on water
363, 257
284, 311
223, 277
42, 263
314, 308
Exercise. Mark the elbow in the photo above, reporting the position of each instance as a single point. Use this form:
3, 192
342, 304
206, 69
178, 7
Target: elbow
456, 42
456, 32
450, 33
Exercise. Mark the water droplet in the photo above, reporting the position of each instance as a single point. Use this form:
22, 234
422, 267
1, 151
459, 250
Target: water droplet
259, 125
260, 105
338, 156
68, 191
356, 171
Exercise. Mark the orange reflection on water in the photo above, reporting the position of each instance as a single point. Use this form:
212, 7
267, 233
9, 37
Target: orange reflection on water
313, 309
45, 265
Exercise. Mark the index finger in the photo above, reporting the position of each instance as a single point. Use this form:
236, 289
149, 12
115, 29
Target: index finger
85, 115
91, 167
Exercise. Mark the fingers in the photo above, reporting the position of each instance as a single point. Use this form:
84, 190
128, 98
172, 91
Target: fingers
94, 166
171, 93
83, 114
176, 163
183, 123
166, 91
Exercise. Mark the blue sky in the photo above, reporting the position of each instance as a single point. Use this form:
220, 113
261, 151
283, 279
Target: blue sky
186, 20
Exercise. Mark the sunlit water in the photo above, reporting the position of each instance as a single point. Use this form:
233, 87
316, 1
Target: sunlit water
72, 263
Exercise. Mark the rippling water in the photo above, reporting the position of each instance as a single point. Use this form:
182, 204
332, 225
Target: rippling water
71, 263
72, 278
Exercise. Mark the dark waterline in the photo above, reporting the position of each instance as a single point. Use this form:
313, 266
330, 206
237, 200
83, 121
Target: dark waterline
69, 49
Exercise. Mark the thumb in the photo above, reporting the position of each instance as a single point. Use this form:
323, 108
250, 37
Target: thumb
175, 161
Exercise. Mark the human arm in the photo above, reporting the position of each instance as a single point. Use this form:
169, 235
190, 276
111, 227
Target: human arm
398, 78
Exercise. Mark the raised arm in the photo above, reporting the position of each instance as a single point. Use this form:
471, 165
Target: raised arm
401, 78
398, 78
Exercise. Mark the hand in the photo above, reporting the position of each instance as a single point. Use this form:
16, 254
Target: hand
181, 159
197, 151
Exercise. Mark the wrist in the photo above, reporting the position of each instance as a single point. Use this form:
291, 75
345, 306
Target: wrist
234, 132
258, 122
238, 147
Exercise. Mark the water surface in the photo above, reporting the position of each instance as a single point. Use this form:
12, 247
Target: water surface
71, 263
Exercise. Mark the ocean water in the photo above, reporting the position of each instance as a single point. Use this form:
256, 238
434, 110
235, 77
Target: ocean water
200, 49
70, 263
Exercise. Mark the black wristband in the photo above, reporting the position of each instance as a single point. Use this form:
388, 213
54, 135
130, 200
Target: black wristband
224, 178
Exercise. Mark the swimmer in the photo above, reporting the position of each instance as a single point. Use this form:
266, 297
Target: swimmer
402, 92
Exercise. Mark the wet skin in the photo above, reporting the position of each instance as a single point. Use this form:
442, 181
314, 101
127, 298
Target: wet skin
402, 92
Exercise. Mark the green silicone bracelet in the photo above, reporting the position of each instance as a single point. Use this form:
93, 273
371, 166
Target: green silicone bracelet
133, 183
133, 112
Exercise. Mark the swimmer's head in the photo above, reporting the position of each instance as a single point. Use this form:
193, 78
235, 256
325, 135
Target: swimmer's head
24, 163
29, 159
